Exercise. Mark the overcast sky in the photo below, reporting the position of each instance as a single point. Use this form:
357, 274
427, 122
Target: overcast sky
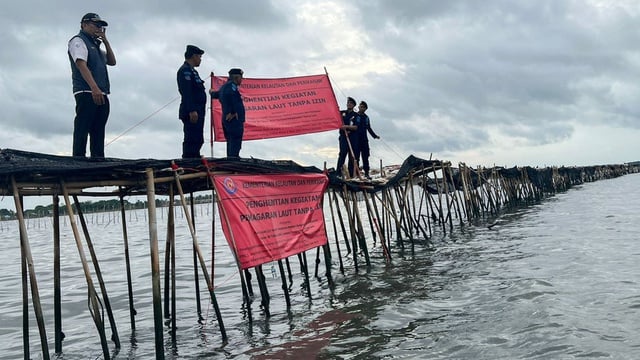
504, 82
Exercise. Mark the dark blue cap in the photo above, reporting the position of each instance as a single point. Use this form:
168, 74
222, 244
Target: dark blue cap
192, 50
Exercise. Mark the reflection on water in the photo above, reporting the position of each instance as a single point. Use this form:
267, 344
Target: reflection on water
554, 280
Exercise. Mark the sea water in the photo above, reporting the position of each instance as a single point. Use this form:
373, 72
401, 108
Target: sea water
559, 279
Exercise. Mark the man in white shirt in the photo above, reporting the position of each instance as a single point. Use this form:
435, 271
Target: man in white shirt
90, 84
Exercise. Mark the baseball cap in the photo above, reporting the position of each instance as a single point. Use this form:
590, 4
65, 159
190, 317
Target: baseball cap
93, 17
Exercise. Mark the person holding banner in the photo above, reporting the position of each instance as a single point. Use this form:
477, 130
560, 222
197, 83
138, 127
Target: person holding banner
363, 140
233, 112
347, 138
193, 103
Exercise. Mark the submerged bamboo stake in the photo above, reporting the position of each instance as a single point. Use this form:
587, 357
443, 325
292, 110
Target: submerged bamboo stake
285, 288
57, 293
376, 220
245, 290
170, 268
213, 216
335, 233
305, 270
167, 255
264, 292
361, 239
95, 307
127, 263
172, 250
354, 243
424, 193
200, 257
247, 277
28, 271
196, 280
290, 275
155, 266
96, 265
342, 227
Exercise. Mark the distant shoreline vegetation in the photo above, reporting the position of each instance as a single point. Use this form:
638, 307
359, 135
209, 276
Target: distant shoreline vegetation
92, 207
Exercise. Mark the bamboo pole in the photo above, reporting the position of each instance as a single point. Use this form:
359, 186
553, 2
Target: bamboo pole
376, 221
361, 238
248, 277
155, 266
264, 291
200, 257
454, 195
342, 227
370, 218
423, 202
96, 266
95, 307
127, 262
386, 217
354, 242
57, 293
213, 216
25, 284
317, 263
285, 288
446, 195
245, 286
167, 256
192, 220
305, 270
172, 250
335, 233
387, 203
439, 206
289, 274
327, 262
402, 220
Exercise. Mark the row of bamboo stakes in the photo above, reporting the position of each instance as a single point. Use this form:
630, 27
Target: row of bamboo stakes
429, 199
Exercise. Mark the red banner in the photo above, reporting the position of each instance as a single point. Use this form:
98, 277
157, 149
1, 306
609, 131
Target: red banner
271, 217
282, 107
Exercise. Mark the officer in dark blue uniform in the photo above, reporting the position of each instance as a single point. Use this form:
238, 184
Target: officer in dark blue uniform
348, 129
364, 127
233, 112
193, 103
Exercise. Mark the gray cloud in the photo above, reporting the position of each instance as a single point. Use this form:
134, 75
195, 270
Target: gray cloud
446, 77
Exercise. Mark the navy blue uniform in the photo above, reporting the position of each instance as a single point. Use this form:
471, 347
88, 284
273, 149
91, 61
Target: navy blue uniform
363, 141
231, 101
348, 118
194, 98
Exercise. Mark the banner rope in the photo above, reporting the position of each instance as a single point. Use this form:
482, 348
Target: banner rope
390, 148
145, 119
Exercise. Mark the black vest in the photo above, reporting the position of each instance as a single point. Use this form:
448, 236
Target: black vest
97, 64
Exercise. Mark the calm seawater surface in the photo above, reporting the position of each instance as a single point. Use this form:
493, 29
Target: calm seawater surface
556, 280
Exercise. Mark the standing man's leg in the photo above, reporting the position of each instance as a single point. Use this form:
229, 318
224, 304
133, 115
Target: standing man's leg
98, 128
365, 158
85, 110
234, 132
193, 137
342, 155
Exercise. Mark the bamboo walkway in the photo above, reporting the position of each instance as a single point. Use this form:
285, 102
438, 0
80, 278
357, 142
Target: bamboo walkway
401, 206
